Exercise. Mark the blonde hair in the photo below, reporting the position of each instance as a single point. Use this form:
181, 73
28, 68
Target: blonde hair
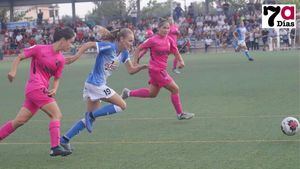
113, 35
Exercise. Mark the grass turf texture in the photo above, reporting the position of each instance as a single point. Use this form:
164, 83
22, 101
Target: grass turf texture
238, 105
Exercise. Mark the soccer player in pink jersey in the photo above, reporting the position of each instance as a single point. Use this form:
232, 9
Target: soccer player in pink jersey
46, 61
161, 45
174, 33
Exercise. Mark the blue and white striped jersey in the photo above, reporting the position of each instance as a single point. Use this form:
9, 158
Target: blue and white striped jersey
107, 60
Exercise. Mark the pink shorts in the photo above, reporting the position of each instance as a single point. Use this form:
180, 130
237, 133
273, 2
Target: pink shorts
36, 99
159, 77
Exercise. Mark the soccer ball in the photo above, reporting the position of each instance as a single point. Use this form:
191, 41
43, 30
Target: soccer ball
290, 126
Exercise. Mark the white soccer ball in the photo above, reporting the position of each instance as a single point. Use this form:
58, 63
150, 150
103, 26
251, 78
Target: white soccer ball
290, 126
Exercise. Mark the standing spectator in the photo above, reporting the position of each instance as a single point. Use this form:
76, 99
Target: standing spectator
207, 43
178, 12
40, 17
251, 40
292, 37
273, 36
265, 34
257, 36
191, 11
19, 39
284, 38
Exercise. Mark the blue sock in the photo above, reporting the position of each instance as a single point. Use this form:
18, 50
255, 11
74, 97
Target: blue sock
246, 53
106, 110
74, 130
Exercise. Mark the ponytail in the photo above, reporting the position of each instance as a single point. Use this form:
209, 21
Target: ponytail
110, 34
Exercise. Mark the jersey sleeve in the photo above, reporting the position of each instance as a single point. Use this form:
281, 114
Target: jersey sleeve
125, 56
147, 44
31, 51
59, 71
102, 46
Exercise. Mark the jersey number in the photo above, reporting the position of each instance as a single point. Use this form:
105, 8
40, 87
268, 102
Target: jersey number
107, 91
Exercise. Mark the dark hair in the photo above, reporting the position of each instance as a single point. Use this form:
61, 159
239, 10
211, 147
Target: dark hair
162, 21
116, 34
66, 33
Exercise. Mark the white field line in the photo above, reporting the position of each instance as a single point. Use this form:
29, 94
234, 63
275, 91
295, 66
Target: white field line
162, 142
112, 118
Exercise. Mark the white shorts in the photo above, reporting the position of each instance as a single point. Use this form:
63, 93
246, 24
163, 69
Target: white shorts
97, 92
241, 43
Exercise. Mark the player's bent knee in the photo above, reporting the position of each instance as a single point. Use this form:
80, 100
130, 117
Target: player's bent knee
123, 106
56, 116
18, 123
153, 94
175, 90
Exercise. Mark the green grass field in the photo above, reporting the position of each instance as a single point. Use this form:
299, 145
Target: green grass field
238, 105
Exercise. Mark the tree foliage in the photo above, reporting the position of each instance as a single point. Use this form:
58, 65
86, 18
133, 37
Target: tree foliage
114, 9
3, 14
155, 9
296, 2
17, 15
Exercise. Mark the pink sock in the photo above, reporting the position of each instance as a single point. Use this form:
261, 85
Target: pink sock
142, 92
6, 130
175, 64
175, 98
54, 130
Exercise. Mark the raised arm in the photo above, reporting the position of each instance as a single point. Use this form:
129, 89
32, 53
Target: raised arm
13, 70
136, 56
132, 69
80, 52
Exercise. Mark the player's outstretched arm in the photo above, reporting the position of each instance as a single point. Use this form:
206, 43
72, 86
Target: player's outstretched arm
13, 71
80, 52
132, 69
136, 56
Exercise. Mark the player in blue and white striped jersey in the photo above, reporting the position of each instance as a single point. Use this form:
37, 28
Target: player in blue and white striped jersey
113, 50
240, 36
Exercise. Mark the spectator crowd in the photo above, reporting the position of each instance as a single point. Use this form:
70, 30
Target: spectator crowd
201, 30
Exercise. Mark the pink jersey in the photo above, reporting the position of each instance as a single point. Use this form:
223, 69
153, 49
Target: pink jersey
160, 48
45, 63
174, 32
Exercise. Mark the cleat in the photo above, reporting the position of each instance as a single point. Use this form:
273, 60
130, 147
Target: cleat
185, 116
251, 59
59, 151
125, 93
176, 71
67, 146
88, 122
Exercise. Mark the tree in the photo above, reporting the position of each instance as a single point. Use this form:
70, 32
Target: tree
17, 15
3, 14
114, 9
296, 2
155, 9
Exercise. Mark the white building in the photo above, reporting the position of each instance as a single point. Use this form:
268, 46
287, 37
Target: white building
50, 12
